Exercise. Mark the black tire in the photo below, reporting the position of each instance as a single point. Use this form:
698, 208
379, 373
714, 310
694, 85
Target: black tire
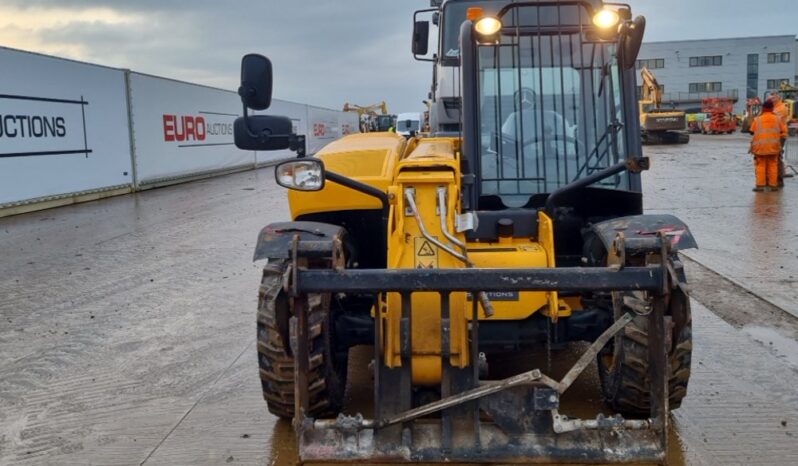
327, 378
624, 370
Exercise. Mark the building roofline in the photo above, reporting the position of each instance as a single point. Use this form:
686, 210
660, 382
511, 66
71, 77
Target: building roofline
780, 36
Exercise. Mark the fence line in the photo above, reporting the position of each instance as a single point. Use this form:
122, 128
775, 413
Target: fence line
99, 131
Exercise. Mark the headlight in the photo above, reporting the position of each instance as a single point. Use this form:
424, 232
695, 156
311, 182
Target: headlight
606, 18
488, 26
302, 175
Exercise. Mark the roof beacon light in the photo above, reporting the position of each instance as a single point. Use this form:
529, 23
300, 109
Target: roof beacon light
474, 13
488, 26
606, 18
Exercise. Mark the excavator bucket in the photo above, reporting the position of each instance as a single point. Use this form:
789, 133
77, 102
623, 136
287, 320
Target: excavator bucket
514, 420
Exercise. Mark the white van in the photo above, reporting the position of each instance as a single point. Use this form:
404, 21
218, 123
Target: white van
407, 123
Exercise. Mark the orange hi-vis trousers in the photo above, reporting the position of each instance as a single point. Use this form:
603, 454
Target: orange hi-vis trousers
767, 170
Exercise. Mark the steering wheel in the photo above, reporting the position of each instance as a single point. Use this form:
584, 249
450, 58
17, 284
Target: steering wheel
526, 97
549, 137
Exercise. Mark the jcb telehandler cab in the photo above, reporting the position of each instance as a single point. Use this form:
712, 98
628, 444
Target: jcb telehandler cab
524, 230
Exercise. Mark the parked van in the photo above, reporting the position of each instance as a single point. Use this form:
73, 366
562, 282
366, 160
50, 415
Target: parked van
407, 123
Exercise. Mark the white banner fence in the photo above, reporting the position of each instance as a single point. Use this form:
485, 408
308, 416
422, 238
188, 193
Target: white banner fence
72, 131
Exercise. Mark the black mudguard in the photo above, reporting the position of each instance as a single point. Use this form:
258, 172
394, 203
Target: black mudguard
645, 226
275, 240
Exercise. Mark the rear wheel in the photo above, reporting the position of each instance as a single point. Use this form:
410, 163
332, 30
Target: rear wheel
327, 378
624, 367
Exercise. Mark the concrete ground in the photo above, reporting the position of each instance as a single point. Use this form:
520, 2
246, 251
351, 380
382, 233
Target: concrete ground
127, 325
752, 238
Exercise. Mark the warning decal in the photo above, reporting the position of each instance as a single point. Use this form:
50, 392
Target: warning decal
426, 254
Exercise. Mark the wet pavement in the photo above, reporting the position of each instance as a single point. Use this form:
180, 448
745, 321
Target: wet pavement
751, 238
127, 331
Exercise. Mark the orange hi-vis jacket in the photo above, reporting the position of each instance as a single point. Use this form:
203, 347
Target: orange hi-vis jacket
768, 131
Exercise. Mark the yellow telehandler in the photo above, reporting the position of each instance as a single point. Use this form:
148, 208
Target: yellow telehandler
522, 230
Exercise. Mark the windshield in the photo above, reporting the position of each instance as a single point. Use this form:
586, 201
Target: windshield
551, 113
454, 14
384, 122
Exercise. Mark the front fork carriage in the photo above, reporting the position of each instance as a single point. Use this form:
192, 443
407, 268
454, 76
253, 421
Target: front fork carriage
524, 424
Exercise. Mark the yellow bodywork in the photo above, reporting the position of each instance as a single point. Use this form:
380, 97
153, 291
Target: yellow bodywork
393, 164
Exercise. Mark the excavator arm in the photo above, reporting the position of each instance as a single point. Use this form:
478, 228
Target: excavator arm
367, 109
652, 92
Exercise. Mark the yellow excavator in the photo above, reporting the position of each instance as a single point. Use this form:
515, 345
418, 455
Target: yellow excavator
373, 121
448, 253
790, 95
659, 125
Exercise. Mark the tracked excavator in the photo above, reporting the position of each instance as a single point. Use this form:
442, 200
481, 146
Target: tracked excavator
447, 251
659, 125
371, 120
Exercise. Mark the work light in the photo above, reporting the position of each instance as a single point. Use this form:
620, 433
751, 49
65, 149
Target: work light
606, 18
487, 30
488, 26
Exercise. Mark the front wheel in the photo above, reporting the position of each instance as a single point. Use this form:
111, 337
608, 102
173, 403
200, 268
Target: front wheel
624, 367
327, 377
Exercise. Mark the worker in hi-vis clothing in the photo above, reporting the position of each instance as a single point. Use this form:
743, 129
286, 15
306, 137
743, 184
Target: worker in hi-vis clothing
783, 112
769, 133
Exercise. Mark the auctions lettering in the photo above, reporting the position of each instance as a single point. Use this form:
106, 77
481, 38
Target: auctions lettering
32, 126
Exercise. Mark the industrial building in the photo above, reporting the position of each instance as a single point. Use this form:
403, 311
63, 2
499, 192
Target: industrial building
741, 68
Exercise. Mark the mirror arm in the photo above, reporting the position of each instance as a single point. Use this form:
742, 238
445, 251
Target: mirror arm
251, 133
298, 144
361, 187
368, 190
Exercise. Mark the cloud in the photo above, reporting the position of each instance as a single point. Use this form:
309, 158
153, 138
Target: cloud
324, 52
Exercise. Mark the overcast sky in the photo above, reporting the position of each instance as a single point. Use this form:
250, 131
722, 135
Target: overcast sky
325, 52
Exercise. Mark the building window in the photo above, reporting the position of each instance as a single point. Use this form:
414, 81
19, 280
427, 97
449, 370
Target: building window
696, 88
776, 83
752, 78
716, 60
783, 57
651, 63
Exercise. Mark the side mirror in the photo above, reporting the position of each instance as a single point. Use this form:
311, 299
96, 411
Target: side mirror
630, 42
300, 175
263, 132
420, 37
256, 81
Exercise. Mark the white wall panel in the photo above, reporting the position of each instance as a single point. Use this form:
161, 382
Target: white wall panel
63, 127
183, 129
68, 128
350, 123
324, 127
